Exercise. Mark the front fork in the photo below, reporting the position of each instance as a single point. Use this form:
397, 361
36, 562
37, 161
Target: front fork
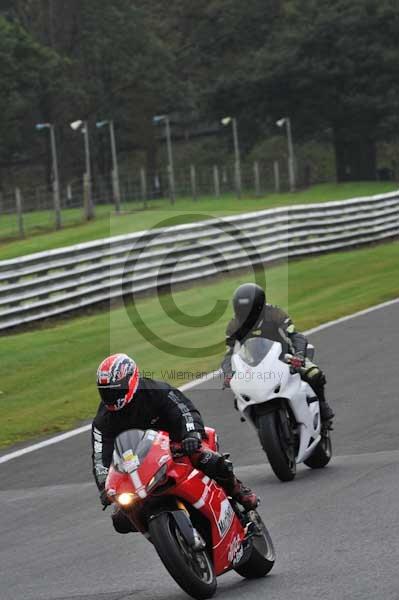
280, 407
182, 518
286, 430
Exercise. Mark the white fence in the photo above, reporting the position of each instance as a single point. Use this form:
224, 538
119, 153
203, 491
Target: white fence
46, 284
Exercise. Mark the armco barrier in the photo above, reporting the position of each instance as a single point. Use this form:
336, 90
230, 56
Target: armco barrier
42, 285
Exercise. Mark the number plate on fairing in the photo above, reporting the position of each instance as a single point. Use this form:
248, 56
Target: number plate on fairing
226, 517
130, 461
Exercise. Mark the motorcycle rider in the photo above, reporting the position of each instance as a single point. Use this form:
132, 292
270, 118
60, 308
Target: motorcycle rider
253, 316
129, 401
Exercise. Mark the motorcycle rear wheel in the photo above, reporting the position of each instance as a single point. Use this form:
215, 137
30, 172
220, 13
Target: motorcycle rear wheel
192, 571
262, 557
271, 435
322, 454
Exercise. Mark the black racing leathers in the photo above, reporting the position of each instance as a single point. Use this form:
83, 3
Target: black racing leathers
156, 405
273, 324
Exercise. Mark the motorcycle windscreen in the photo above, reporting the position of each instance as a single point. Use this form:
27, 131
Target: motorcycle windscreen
254, 350
131, 448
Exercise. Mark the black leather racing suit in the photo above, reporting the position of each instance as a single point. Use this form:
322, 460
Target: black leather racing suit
276, 325
156, 405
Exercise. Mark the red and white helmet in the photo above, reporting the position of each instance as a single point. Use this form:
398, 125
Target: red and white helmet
117, 381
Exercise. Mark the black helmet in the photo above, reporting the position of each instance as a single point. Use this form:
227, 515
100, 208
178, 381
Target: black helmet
248, 302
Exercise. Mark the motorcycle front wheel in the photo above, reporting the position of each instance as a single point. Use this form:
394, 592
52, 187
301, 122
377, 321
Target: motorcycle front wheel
192, 570
274, 430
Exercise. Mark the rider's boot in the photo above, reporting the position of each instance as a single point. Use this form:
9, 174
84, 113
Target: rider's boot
326, 412
219, 468
239, 492
244, 495
316, 378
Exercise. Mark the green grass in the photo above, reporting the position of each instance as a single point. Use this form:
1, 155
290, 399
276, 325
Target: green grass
40, 237
48, 375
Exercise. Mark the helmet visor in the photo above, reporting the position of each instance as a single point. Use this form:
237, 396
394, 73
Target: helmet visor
247, 314
243, 310
111, 394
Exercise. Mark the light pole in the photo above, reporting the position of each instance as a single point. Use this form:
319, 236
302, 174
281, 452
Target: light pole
291, 156
171, 170
237, 161
115, 168
84, 127
56, 180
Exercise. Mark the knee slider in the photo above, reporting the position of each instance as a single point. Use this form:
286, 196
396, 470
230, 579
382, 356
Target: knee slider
316, 376
229, 465
225, 468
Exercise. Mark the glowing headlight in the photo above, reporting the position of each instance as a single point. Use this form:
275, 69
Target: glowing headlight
125, 499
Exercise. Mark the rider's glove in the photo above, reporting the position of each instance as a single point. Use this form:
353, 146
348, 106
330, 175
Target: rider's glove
104, 499
298, 360
192, 443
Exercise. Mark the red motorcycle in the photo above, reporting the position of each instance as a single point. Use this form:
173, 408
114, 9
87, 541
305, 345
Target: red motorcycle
198, 532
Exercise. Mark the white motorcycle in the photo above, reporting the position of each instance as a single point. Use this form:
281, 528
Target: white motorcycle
271, 395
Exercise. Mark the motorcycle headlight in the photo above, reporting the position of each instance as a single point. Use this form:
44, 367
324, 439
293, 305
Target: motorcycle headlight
158, 478
125, 499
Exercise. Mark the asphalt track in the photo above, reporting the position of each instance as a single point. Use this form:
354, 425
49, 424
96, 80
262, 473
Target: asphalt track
336, 531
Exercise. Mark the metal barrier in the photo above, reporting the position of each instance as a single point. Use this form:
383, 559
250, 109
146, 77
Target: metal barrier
46, 284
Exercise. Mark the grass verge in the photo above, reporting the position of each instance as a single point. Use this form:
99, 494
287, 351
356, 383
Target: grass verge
38, 225
47, 383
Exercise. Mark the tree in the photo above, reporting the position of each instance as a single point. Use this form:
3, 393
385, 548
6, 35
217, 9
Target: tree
125, 70
25, 70
335, 65
115, 67
216, 42
331, 66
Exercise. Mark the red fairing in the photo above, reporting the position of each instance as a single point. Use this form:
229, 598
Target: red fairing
191, 486
210, 499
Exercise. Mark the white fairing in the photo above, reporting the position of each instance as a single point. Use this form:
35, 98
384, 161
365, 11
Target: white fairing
271, 379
